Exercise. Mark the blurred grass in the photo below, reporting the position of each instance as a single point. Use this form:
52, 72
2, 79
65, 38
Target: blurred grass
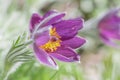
33, 71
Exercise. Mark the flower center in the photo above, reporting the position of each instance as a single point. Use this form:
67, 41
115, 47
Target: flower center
53, 43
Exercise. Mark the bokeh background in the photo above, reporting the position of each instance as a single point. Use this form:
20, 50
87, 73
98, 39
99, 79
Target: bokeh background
98, 61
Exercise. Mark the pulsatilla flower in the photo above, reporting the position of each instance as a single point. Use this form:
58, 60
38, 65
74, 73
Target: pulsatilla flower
109, 28
55, 37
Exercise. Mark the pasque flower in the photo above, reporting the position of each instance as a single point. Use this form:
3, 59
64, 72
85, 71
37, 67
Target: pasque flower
109, 27
55, 38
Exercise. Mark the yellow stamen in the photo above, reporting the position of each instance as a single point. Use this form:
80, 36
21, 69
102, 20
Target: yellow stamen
54, 33
53, 44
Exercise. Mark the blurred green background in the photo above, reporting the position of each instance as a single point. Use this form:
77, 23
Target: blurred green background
98, 61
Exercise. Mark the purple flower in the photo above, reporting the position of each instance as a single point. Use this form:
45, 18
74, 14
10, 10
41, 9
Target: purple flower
58, 41
109, 27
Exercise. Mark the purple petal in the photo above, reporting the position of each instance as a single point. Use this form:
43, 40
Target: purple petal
66, 55
44, 58
68, 28
74, 42
42, 38
56, 17
110, 24
35, 19
109, 41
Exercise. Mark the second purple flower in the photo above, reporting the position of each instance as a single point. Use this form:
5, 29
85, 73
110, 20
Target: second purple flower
109, 28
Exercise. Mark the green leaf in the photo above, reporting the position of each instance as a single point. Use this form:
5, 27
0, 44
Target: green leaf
19, 52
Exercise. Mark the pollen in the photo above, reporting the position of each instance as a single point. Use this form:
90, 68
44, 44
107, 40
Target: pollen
54, 33
54, 42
